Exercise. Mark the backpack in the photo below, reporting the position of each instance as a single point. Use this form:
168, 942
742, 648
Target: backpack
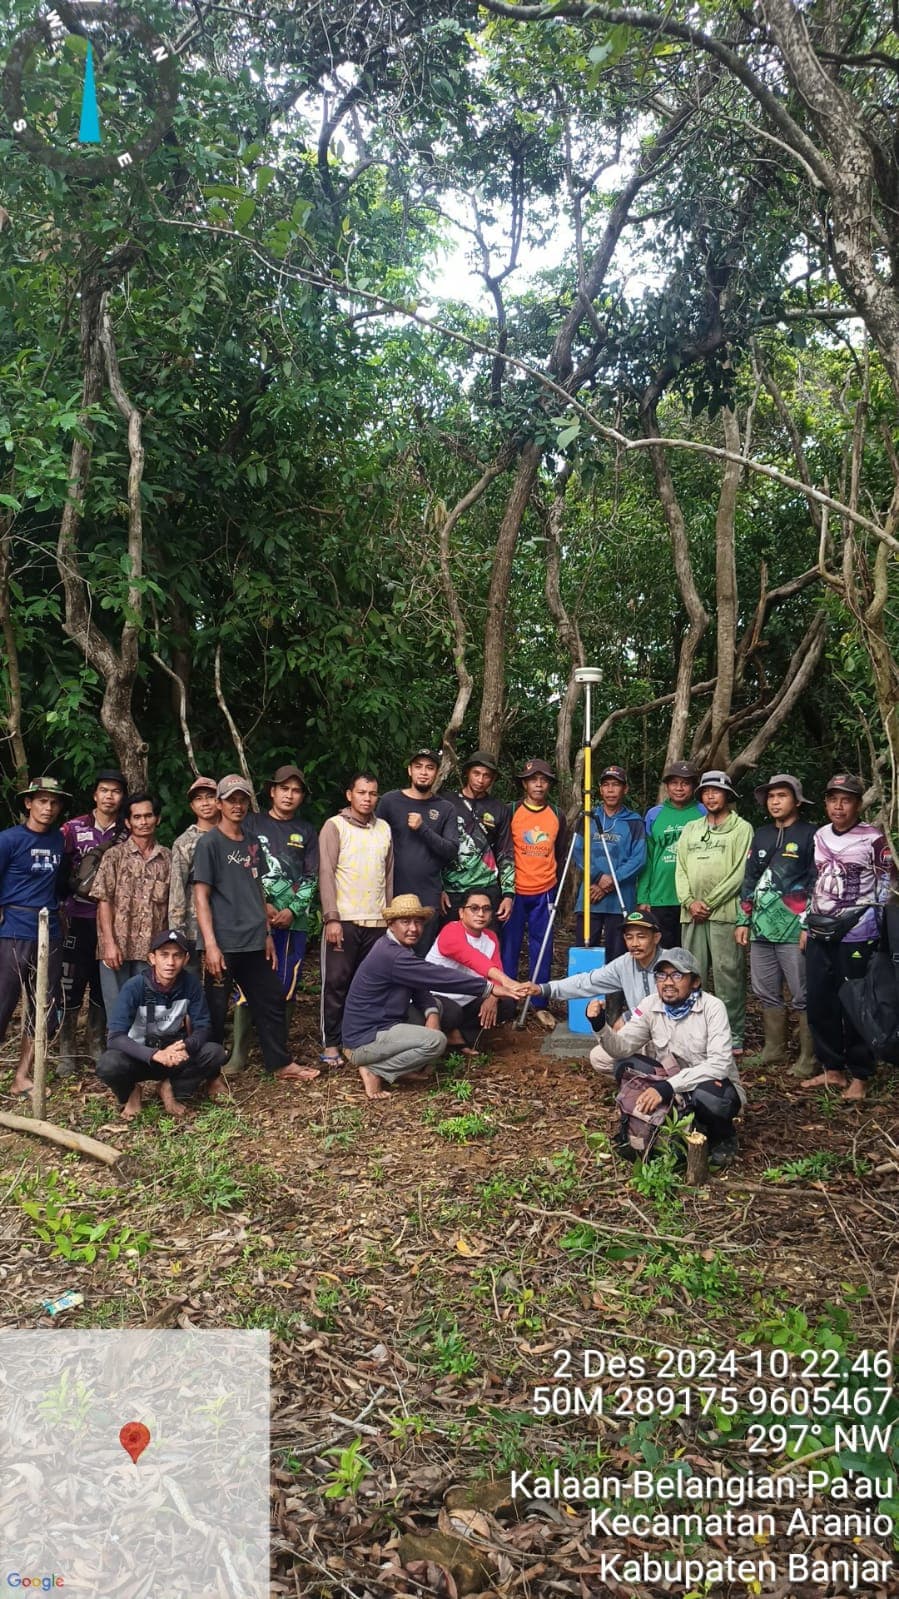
637, 1134
872, 1002
84, 872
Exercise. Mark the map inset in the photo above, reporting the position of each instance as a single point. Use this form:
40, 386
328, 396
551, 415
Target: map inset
188, 1518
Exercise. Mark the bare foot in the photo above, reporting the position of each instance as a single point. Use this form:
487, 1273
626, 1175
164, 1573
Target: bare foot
856, 1090
417, 1077
374, 1088
216, 1087
20, 1085
824, 1080
295, 1073
170, 1104
132, 1105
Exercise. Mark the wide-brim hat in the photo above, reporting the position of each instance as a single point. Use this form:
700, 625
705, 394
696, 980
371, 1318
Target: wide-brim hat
480, 758
407, 905
111, 774
684, 769
781, 780
717, 779
43, 785
536, 768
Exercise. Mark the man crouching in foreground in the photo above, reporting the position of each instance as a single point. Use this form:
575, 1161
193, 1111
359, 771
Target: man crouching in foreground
378, 1036
694, 1068
159, 1030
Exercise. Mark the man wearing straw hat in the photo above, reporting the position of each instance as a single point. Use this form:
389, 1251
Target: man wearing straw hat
378, 1037
30, 858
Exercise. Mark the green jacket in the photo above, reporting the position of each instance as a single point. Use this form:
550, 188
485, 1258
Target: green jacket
710, 865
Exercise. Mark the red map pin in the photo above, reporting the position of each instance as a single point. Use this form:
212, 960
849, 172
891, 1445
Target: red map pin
134, 1438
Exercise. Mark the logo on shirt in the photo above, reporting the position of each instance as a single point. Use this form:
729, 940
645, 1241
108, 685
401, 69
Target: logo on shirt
536, 836
433, 816
791, 849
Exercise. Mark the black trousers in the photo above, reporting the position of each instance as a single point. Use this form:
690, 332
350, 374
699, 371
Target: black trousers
338, 969
606, 929
466, 1017
80, 966
261, 988
668, 918
122, 1072
714, 1106
827, 966
18, 973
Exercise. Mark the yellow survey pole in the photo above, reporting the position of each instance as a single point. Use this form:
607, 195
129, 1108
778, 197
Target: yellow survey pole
587, 676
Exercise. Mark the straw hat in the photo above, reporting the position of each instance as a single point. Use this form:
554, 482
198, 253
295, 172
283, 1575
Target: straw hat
407, 905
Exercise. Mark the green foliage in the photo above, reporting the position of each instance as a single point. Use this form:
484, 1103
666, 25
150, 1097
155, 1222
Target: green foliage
77, 1235
462, 1129
347, 1476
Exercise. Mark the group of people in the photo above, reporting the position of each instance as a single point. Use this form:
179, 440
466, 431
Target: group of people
426, 900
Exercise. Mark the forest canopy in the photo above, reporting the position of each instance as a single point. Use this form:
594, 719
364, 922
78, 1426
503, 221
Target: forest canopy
331, 382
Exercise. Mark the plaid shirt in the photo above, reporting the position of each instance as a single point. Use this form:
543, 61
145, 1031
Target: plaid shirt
137, 887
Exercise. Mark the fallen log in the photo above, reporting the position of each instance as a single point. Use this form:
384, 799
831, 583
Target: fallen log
61, 1135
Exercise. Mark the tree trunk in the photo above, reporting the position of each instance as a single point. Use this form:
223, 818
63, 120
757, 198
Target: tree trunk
13, 675
725, 596
697, 615
490, 726
117, 669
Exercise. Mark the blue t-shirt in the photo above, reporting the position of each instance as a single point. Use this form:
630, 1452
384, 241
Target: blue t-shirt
29, 867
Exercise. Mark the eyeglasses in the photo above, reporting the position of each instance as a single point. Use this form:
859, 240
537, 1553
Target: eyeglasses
479, 910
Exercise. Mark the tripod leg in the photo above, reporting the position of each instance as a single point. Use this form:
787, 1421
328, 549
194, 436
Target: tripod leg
520, 1018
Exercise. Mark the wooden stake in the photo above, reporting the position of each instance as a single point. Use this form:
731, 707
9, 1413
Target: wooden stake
39, 1091
61, 1135
697, 1160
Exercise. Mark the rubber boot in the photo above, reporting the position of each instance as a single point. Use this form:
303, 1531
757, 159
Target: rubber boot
775, 1050
96, 1031
805, 1065
240, 1044
68, 1059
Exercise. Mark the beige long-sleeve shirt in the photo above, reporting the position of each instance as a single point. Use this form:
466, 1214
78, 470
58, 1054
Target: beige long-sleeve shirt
701, 1041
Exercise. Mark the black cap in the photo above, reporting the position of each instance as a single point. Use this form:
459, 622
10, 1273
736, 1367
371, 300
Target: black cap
845, 783
684, 769
640, 919
110, 774
425, 755
171, 935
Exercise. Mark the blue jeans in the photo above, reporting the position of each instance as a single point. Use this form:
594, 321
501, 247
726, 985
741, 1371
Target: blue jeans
530, 913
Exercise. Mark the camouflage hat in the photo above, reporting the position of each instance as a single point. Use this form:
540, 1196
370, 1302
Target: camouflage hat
44, 785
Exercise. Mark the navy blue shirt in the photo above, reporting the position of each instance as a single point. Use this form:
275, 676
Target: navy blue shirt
179, 1013
390, 979
29, 867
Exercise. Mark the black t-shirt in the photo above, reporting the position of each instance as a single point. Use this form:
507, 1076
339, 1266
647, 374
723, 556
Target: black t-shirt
231, 868
420, 854
295, 843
